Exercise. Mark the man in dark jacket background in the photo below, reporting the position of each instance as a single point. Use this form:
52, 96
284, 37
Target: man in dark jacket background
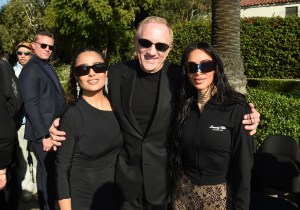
43, 99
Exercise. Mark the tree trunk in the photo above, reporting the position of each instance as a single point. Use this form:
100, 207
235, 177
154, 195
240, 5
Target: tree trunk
226, 40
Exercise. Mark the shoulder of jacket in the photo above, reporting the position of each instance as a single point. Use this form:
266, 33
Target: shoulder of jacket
123, 68
126, 64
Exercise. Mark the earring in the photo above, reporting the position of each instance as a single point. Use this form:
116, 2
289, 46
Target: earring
106, 85
77, 89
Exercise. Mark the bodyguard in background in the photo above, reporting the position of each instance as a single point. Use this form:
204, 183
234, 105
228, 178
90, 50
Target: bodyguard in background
44, 101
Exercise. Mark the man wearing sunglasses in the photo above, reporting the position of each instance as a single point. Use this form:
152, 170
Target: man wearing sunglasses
143, 96
26, 169
43, 100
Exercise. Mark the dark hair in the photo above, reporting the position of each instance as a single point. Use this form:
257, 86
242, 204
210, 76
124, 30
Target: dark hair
43, 33
225, 95
71, 95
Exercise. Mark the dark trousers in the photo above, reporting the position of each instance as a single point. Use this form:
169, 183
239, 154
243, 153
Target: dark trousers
9, 195
45, 177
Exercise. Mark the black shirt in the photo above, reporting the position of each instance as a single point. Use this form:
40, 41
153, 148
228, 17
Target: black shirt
144, 100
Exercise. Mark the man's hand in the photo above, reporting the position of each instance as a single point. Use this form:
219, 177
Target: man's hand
47, 144
2, 179
56, 135
251, 121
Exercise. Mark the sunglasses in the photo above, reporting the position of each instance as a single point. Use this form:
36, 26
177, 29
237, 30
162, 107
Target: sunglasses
204, 67
25, 53
162, 47
83, 70
44, 46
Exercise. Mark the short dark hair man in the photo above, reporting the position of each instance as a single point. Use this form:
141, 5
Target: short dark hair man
43, 99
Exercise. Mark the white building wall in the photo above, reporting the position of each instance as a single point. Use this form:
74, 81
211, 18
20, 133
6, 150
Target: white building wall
267, 11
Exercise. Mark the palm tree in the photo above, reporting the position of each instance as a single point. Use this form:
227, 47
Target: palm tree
226, 40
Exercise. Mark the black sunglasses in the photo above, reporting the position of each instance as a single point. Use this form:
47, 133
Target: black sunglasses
44, 46
162, 47
25, 53
204, 67
85, 70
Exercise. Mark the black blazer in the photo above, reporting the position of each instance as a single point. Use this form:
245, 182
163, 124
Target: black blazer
42, 96
142, 161
7, 133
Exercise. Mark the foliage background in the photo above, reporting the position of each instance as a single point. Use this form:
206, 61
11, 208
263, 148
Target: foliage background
270, 46
278, 102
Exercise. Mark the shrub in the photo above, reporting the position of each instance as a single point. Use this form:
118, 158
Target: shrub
63, 73
269, 46
279, 113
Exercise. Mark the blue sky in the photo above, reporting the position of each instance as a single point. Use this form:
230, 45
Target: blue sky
3, 2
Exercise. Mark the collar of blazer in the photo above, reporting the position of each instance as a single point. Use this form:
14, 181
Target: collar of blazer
47, 67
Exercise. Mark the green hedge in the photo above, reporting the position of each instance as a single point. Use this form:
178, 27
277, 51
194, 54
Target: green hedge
270, 46
289, 88
187, 32
279, 110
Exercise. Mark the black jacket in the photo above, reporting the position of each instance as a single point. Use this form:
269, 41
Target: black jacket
7, 133
141, 164
10, 87
43, 98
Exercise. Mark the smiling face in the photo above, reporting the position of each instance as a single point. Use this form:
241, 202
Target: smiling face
92, 82
152, 60
201, 81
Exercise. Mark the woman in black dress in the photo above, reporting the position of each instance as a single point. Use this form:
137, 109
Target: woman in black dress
85, 162
210, 154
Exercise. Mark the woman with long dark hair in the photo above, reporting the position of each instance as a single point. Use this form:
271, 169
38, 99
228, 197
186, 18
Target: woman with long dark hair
210, 154
85, 162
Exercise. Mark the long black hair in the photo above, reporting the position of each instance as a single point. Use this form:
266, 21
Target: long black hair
224, 95
72, 95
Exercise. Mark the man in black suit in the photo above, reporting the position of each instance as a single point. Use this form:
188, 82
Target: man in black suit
141, 92
43, 100
143, 95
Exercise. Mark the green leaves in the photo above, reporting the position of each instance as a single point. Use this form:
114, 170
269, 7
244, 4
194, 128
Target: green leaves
270, 47
278, 103
105, 24
20, 20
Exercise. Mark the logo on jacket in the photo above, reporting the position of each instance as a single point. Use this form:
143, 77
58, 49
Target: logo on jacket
217, 128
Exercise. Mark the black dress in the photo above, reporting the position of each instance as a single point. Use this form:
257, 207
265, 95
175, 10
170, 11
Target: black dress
85, 162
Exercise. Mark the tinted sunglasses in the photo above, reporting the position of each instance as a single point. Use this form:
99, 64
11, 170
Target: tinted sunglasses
25, 53
204, 67
44, 46
83, 70
162, 47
